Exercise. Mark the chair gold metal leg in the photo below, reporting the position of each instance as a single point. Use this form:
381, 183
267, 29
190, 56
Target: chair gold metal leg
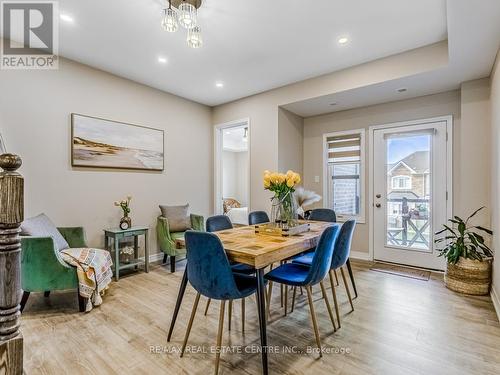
293, 298
190, 324
219, 336
336, 277
346, 288
286, 298
206, 307
334, 295
328, 307
268, 304
242, 315
230, 313
313, 318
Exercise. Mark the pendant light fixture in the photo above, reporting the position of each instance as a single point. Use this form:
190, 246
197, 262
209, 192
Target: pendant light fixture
184, 13
169, 22
194, 39
187, 15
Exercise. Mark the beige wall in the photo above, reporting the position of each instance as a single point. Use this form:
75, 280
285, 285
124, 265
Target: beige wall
473, 159
263, 108
469, 141
35, 109
495, 174
290, 141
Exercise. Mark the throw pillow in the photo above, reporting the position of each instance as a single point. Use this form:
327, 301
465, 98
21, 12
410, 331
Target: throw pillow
42, 226
177, 216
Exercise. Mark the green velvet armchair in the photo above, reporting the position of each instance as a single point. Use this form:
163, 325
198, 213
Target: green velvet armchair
43, 269
166, 239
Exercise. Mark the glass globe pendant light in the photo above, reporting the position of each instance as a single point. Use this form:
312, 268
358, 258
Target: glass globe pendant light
194, 39
187, 15
169, 22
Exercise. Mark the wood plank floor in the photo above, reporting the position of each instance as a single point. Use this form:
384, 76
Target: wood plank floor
399, 326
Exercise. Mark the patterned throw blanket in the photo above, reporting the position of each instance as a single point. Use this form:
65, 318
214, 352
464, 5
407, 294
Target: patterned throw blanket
93, 267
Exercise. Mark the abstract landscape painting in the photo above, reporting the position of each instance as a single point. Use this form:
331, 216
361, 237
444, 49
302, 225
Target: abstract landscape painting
109, 144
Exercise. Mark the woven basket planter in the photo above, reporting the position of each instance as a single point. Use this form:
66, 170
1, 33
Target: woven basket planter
469, 276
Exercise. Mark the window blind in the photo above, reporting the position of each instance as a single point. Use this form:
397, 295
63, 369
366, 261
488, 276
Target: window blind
344, 148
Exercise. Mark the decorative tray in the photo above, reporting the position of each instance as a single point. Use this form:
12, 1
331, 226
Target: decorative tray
275, 230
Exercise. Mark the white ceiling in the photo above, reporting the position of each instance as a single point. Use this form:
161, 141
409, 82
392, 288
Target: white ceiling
250, 45
233, 139
473, 42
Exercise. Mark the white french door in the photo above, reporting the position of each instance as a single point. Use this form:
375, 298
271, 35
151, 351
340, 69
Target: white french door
411, 178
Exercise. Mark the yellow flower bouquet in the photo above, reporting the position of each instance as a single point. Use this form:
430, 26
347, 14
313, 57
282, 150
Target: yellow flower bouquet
284, 206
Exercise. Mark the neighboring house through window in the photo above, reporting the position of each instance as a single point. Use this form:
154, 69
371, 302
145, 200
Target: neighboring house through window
344, 173
401, 182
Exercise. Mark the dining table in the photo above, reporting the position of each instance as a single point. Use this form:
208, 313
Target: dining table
259, 250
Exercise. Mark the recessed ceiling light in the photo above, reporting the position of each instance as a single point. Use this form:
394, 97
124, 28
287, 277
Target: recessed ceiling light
342, 40
162, 60
402, 89
66, 18
219, 84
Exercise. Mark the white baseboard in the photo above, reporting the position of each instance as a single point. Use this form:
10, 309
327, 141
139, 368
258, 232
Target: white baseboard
155, 257
360, 255
496, 301
159, 256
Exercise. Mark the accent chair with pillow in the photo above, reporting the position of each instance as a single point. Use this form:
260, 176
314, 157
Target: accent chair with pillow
57, 259
171, 225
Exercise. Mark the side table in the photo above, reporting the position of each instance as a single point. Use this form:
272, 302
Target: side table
119, 234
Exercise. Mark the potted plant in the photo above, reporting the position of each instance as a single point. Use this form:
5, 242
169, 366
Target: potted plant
468, 256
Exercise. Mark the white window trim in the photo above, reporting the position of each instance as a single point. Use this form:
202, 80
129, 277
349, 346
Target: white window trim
326, 198
397, 187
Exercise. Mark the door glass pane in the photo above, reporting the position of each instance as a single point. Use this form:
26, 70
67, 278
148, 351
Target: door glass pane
408, 190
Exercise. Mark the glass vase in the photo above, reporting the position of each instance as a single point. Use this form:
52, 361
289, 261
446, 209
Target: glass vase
284, 210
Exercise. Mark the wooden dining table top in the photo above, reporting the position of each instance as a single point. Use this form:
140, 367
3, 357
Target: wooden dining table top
259, 250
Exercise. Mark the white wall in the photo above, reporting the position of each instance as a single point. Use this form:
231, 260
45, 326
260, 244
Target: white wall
35, 109
495, 177
235, 175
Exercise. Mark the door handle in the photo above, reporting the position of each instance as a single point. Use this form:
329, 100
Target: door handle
378, 195
377, 205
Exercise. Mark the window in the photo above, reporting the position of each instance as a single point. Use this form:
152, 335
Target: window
344, 166
401, 183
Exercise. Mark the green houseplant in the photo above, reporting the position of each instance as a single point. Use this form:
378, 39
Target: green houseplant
468, 255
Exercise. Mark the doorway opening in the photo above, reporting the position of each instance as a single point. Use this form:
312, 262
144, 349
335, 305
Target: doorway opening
232, 165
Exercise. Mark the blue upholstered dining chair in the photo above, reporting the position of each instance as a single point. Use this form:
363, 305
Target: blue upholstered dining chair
257, 217
211, 275
215, 224
323, 214
326, 214
339, 259
221, 222
299, 275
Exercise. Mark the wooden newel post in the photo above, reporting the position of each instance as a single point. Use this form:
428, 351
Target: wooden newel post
11, 217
